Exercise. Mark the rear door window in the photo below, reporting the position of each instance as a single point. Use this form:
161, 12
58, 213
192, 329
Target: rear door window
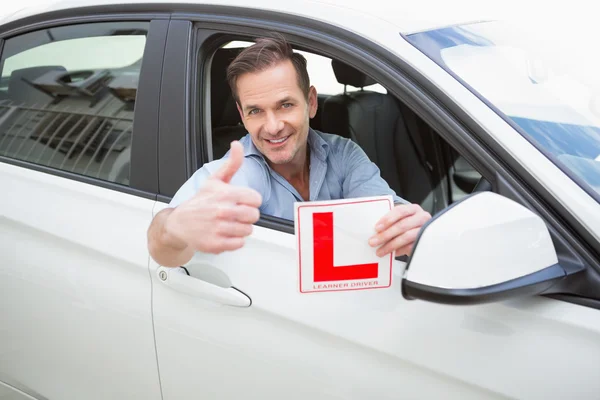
67, 97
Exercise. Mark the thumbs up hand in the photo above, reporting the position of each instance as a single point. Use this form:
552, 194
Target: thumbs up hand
220, 215
231, 166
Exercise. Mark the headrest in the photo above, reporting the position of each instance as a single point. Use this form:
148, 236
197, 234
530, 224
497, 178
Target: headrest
223, 109
347, 75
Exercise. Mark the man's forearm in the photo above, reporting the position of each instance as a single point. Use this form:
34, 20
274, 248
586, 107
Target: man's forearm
164, 248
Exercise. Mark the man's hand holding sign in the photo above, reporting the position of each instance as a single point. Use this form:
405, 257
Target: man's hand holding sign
350, 244
398, 229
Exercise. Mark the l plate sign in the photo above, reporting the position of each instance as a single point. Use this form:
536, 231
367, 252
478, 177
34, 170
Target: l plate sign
333, 245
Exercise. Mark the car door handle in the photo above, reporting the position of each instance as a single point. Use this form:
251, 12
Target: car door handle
178, 280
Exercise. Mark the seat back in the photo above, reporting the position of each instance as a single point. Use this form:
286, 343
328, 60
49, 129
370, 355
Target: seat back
377, 123
225, 118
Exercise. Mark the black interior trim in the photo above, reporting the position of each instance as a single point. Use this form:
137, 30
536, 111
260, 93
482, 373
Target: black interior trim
582, 301
201, 144
265, 221
280, 224
163, 199
144, 147
174, 110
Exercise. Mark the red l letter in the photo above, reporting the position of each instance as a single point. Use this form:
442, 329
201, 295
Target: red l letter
324, 270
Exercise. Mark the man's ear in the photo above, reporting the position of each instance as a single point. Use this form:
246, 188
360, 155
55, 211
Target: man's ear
313, 103
239, 108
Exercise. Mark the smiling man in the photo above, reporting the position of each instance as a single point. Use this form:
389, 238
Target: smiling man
279, 162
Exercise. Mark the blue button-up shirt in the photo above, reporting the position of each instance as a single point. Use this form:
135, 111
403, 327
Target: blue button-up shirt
339, 169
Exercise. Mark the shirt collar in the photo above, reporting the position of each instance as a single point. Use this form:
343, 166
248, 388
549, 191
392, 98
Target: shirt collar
318, 145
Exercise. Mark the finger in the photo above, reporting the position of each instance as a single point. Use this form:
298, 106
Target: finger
396, 214
242, 195
398, 242
233, 163
231, 229
406, 250
404, 225
229, 244
240, 213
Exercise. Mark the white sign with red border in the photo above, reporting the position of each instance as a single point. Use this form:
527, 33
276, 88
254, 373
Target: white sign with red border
333, 245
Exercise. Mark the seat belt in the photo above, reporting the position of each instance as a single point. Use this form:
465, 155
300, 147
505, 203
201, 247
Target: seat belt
411, 121
415, 130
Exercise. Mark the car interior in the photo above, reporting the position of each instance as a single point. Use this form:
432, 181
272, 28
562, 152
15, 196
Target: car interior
417, 164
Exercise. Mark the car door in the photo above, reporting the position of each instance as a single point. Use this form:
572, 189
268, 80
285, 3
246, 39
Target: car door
78, 137
236, 324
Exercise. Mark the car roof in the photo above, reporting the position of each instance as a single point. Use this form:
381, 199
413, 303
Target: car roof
406, 16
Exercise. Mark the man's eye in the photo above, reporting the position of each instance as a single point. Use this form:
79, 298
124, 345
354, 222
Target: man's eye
253, 111
286, 105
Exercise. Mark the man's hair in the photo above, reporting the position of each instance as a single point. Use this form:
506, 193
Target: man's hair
265, 53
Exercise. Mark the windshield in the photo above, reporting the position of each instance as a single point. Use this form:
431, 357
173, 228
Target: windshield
549, 96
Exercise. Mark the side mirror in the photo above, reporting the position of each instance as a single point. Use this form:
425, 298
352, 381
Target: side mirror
481, 249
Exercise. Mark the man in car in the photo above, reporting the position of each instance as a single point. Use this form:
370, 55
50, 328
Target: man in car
279, 162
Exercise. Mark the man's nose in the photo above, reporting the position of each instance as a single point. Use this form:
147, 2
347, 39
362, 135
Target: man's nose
273, 125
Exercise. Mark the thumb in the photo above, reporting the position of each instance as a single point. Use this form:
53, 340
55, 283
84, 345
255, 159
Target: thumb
230, 167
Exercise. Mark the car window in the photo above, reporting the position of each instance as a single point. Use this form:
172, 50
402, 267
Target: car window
545, 90
411, 157
67, 97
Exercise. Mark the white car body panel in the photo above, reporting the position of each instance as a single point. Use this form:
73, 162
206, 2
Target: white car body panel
76, 316
79, 323
382, 25
409, 16
363, 344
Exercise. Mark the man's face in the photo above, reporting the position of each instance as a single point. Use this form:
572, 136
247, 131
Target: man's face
276, 113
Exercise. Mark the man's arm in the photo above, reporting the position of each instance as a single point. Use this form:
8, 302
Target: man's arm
164, 247
216, 218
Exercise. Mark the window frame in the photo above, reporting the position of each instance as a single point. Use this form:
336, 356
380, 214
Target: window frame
461, 131
208, 36
144, 149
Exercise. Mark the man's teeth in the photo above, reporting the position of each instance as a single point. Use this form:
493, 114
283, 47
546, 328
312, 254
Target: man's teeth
277, 141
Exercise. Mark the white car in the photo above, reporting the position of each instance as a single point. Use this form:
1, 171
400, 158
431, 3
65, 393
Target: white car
106, 108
